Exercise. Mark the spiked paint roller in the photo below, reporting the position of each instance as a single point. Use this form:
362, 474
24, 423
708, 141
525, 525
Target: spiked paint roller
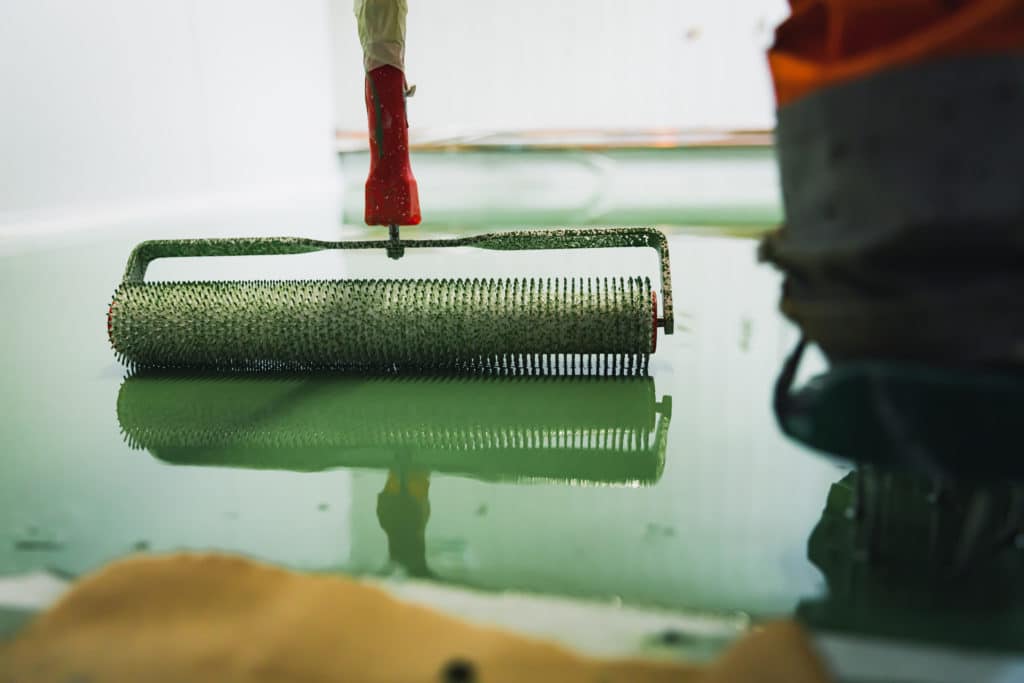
504, 326
609, 430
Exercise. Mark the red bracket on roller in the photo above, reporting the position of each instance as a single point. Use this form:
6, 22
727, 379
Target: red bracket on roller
392, 197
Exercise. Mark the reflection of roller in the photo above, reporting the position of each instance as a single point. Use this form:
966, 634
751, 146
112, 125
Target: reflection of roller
602, 430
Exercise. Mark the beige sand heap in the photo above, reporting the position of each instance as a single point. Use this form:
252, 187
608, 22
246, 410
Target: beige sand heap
227, 619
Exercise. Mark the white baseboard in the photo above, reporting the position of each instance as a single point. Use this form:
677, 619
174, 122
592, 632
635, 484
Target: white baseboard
33, 225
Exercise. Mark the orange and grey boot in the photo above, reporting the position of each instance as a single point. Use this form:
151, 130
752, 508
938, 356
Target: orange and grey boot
900, 153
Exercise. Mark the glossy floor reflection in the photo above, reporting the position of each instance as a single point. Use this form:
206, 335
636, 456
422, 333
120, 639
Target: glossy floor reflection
909, 580
594, 430
716, 523
574, 431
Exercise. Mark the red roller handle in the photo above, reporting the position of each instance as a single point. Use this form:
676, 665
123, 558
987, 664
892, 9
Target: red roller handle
391, 194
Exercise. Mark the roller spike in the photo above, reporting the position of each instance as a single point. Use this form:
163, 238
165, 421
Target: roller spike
518, 326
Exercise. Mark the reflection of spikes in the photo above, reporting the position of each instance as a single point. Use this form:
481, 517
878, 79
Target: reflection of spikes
599, 430
469, 439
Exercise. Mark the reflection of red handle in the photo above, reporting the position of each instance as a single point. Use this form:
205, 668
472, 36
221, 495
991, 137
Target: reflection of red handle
391, 194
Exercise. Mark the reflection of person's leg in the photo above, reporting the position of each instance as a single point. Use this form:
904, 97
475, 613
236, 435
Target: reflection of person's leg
403, 509
901, 152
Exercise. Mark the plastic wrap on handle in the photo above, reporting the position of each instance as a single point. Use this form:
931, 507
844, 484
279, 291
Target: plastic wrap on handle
382, 32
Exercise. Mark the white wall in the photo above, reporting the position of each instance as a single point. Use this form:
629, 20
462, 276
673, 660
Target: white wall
119, 109
529, 64
116, 111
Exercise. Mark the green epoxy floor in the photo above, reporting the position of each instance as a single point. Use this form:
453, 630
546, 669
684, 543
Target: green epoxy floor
710, 516
674, 494
672, 498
